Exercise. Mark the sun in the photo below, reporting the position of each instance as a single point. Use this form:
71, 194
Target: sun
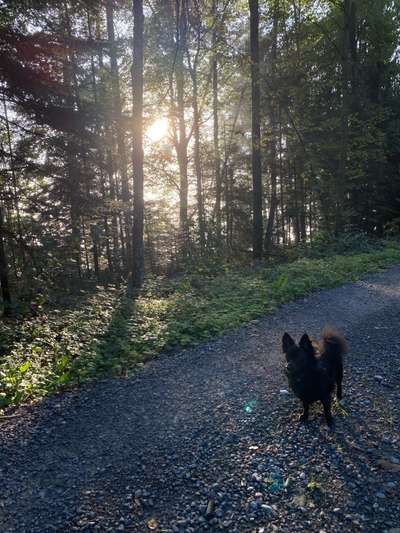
157, 130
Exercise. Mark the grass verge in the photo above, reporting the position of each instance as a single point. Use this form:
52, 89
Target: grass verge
110, 334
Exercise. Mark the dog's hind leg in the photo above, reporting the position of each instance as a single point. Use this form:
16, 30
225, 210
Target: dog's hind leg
339, 379
304, 417
326, 402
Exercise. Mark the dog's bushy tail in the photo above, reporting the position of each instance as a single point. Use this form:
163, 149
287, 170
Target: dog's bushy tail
333, 342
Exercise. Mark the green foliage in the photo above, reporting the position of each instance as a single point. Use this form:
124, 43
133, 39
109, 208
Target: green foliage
325, 244
109, 333
314, 485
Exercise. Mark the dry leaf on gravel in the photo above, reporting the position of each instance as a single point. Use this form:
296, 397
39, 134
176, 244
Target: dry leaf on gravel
152, 523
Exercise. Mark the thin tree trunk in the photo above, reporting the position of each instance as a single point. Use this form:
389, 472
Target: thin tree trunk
137, 152
8, 221
344, 116
5, 287
72, 150
296, 204
85, 247
14, 181
281, 181
94, 232
150, 247
100, 158
119, 130
229, 209
106, 225
121, 237
113, 197
73, 179
217, 162
272, 112
310, 219
302, 195
197, 160
113, 259
192, 66
256, 131
183, 141
273, 199
107, 230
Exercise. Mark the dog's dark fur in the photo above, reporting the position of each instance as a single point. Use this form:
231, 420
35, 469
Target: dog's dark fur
314, 370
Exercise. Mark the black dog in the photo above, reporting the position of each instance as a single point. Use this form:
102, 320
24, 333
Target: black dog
313, 371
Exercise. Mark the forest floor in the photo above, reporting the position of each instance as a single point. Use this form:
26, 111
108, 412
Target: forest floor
207, 439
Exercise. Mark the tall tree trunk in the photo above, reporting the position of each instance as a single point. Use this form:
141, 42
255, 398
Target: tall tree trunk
256, 131
197, 160
137, 152
113, 198
150, 246
94, 232
181, 8
296, 217
100, 162
272, 114
106, 228
192, 66
5, 287
344, 116
273, 198
119, 130
217, 162
74, 175
113, 260
229, 208
310, 218
121, 235
302, 198
85, 247
281, 183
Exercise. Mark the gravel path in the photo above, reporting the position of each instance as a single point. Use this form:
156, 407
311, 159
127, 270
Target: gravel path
207, 440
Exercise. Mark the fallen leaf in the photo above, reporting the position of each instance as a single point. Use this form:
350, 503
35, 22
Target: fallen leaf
152, 523
299, 500
210, 508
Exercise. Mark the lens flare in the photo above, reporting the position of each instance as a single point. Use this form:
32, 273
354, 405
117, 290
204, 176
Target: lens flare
250, 406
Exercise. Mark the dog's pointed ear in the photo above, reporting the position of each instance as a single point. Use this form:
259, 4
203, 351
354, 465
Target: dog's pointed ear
306, 343
287, 342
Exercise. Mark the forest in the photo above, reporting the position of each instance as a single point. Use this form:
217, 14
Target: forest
165, 162
143, 141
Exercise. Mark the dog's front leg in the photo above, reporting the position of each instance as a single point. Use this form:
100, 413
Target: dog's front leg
339, 379
304, 416
327, 411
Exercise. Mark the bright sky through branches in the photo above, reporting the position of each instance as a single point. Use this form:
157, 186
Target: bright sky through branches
157, 130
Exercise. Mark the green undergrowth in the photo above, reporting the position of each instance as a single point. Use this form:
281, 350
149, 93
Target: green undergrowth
107, 333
